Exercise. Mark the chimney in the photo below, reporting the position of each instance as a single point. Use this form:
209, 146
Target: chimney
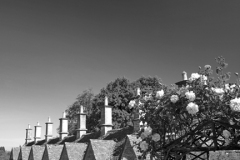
81, 123
136, 116
49, 127
63, 126
106, 118
184, 76
28, 134
184, 81
37, 134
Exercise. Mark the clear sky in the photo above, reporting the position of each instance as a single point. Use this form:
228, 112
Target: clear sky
50, 51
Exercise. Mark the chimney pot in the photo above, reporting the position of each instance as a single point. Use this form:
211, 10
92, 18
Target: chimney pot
184, 75
106, 101
37, 133
28, 134
106, 118
81, 123
63, 126
138, 91
49, 127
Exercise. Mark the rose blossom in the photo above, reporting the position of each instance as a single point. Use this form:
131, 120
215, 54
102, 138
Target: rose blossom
218, 90
190, 95
131, 104
174, 98
155, 137
226, 134
160, 94
235, 104
192, 108
144, 145
194, 76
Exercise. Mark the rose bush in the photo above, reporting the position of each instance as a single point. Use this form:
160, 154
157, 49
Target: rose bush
173, 112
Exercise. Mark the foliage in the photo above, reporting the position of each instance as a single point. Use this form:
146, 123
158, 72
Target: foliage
173, 119
85, 99
120, 92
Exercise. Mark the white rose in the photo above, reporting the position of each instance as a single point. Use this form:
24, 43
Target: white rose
226, 134
203, 77
148, 130
218, 90
160, 94
131, 104
227, 88
194, 76
174, 98
235, 104
144, 145
192, 108
190, 95
155, 137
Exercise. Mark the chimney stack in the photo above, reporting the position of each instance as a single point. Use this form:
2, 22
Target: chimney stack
28, 134
49, 127
81, 122
184, 76
63, 126
136, 115
37, 134
106, 117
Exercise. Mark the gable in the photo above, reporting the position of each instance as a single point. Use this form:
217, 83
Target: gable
24, 153
89, 153
128, 151
64, 155
45, 154
14, 153
36, 153
54, 151
31, 155
75, 151
102, 149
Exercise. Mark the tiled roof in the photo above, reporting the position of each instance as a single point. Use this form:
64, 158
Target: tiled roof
36, 153
118, 149
54, 140
40, 142
100, 149
86, 137
118, 134
52, 152
130, 150
73, 151
24, 153
68, 139
30, 143
14, 153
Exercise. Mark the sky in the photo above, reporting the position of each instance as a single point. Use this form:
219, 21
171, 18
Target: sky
51, 51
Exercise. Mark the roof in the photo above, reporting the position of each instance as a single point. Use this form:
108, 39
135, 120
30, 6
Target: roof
118, 149
100, 149
68, 139
30, 143
24, 153
52, 152
86, 137
53, 140
73, 151
130, 150
36, 152
14, 153
118, 134
40, 142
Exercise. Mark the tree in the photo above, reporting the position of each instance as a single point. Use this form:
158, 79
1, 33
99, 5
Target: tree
85, 99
